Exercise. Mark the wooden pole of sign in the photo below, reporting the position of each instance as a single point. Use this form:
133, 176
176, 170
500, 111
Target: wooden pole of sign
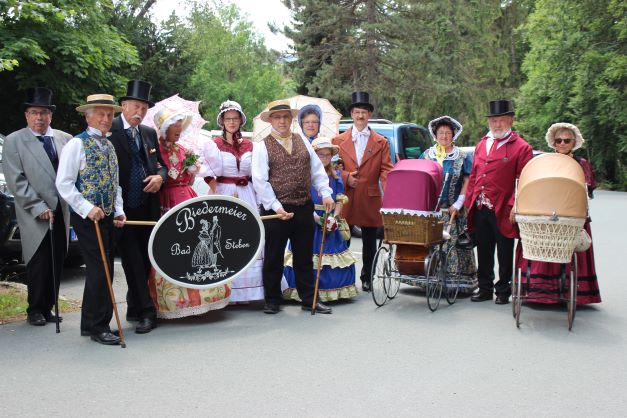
324, 232
153, 223
105, 263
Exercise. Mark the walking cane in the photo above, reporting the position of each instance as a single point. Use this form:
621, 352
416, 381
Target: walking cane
54, 274
324, 232
105, 263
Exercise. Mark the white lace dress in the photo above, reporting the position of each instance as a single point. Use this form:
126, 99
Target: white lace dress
232, 168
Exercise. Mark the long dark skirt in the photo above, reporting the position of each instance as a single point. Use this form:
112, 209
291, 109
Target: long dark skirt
544, 282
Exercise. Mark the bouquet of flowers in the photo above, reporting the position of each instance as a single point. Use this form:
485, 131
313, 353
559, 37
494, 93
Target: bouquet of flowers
331, 222
191, 162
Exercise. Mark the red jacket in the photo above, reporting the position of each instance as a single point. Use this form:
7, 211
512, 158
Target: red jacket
496, 175
364, 201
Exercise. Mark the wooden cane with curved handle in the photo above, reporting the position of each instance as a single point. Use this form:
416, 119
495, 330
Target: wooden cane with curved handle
324, 232
105, 263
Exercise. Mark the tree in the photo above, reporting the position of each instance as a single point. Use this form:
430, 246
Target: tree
66, 45
164, 53
576, 73
233, 63
419, 59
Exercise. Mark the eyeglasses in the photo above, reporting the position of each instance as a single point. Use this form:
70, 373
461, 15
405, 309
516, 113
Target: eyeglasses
283, 117
564, 140
311, 122
232, 119
39, 113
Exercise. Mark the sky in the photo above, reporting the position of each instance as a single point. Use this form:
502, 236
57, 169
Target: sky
260, 12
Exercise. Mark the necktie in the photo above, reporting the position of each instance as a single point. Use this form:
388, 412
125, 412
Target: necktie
49, 148
137, 174
493, 147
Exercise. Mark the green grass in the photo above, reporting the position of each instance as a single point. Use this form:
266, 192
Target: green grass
13, 302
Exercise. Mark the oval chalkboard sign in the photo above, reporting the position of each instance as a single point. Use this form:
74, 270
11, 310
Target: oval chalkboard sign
206, 241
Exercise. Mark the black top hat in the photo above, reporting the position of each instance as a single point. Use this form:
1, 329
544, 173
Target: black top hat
39, 97
361, 98
138, 90
501, 108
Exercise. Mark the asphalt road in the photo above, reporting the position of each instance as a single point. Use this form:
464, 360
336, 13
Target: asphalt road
468, 359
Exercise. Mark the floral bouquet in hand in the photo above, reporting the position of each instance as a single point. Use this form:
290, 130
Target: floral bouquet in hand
191, 162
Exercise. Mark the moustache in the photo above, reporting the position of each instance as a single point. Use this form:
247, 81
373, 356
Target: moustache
138, 117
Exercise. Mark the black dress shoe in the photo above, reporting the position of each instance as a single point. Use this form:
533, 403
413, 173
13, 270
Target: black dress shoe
36, 319
320, 308
50, 317
366, 286
481, 296
106, 338
145, 325
502, 299
87, 333
271, 308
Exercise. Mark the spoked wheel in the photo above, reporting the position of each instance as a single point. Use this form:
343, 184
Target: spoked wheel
451, 281
436, 270
571, 304
516, 295
394, 279
380, 275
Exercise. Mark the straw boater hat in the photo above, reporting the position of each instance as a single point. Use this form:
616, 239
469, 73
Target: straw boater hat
167, 117
457, 127
550, 134
324, 142
230, 105
277, 106
99, 100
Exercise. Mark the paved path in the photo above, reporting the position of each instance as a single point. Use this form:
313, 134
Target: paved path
399, 360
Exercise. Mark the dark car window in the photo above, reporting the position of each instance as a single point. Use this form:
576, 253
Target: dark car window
415, 141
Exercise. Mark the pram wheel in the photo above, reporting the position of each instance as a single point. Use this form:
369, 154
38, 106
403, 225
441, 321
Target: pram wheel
393, 280
436, 271
571, 303
381, 275
517, 294
451, 281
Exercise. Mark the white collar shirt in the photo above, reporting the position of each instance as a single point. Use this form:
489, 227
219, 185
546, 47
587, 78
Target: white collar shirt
360, 141
500, 142
128, 125
50, 133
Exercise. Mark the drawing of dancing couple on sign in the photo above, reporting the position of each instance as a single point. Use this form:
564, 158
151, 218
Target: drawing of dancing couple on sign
207, 251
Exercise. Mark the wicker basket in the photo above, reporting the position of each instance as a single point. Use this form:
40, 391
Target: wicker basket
412, 229
545, 238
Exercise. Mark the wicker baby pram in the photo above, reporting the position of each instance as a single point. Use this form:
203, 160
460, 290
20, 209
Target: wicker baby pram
413, 251
551, 208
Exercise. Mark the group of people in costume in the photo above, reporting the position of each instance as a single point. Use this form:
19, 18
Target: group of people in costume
119, 169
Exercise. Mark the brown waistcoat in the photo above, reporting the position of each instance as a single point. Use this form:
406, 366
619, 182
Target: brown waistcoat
289, 174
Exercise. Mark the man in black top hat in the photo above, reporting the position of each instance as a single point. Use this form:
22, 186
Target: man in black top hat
498, 160
142, 174
366, 157
30, 160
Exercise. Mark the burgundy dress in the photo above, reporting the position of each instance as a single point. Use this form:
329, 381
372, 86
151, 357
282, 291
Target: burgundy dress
544, 283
